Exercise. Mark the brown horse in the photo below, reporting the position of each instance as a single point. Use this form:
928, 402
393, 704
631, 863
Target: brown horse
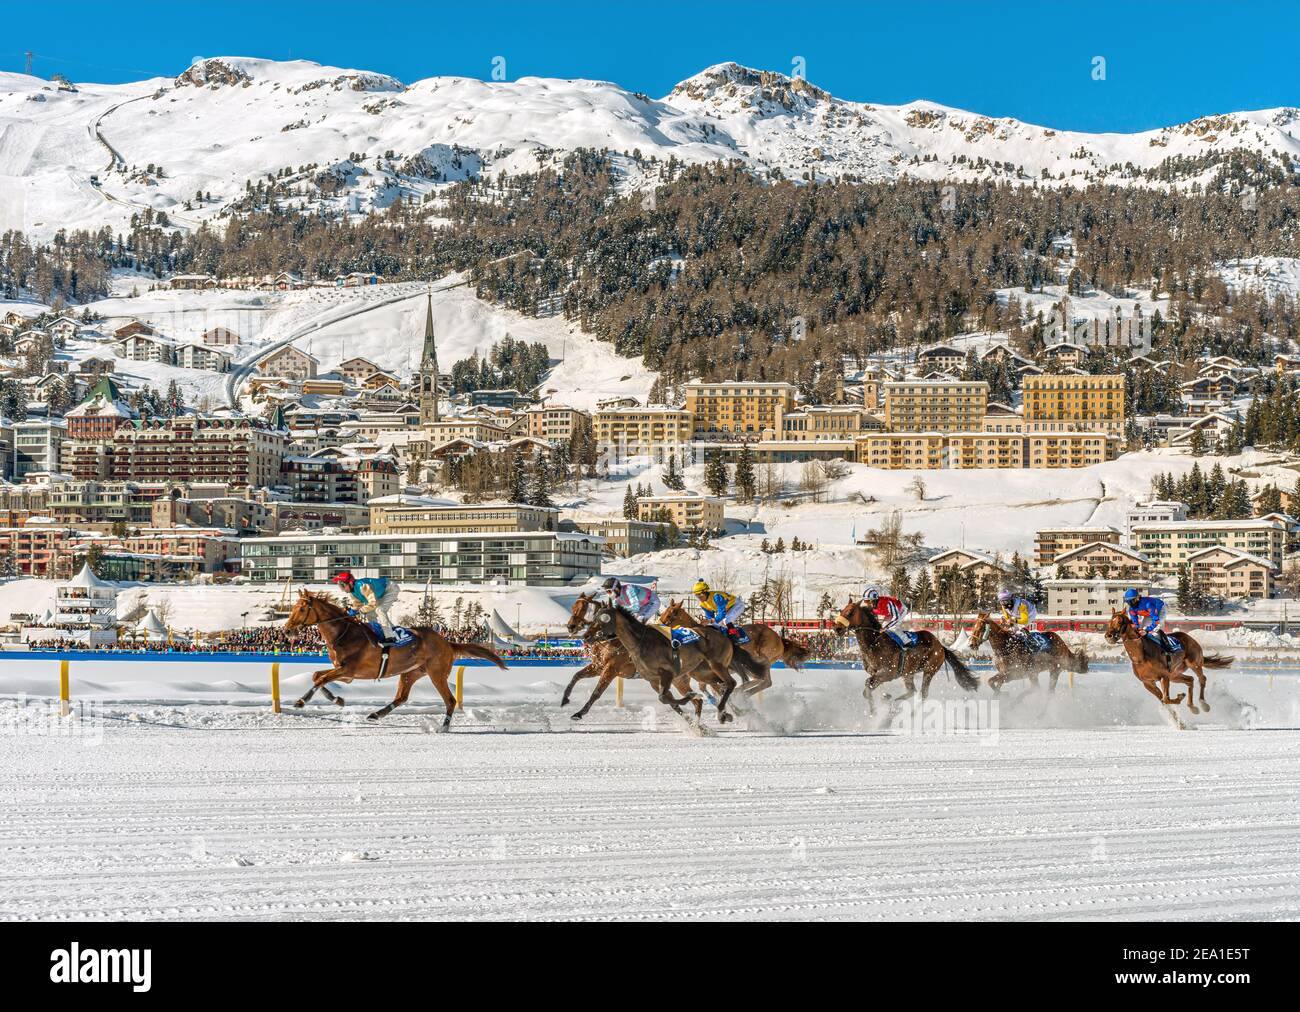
766, 646
609, 659
653, 654
355, 653
1149, 661
1014, 658
885, 660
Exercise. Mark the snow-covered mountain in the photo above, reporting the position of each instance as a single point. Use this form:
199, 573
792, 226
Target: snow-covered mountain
355, 139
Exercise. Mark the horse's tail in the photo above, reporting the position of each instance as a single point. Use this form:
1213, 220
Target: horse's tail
794, 653
960, 672
1216, 661
459, 650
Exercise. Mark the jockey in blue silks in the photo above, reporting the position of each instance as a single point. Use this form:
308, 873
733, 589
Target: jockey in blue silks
1148, 617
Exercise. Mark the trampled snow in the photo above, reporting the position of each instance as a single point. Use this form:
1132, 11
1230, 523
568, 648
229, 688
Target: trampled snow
1082, 805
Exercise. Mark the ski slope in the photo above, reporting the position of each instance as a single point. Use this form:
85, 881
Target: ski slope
1085, 805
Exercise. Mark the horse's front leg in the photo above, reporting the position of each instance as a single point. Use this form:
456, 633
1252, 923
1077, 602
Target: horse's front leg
319, 679
601, 685
587, 672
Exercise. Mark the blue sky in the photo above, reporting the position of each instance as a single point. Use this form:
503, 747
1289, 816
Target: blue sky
1165, 62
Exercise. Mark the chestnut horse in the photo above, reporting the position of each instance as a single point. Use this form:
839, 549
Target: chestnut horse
609, 658
766, 646
1149, 661
355, 653
1014, 658
885, 660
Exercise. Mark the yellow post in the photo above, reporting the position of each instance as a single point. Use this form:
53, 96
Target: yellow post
64, 695
618, 693
1071, 683
460, 686
275, 686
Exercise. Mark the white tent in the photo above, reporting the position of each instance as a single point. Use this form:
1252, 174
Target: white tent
502, 634
151, 626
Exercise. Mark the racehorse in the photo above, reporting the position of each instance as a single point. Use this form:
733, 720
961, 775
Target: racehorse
766, 646
1014, 658
354, 652
662, 662
609, 660
1149, 661
885, 660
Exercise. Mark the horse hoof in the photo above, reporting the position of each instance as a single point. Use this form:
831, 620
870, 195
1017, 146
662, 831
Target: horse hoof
575, 716
338, 700
1205, 706
299, 704
725, 718
373, 718
1193, 709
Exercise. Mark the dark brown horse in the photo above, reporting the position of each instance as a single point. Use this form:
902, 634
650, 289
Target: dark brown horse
1149, 661
654, 656
609, 658
885, 660
765, 647
355, 653
1014, 658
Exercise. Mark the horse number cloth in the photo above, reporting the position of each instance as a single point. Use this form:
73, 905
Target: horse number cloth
682, 636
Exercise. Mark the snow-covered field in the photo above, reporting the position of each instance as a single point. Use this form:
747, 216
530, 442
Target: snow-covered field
1082, 805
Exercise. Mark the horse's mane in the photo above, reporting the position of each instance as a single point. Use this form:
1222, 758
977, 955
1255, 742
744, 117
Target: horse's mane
326, 600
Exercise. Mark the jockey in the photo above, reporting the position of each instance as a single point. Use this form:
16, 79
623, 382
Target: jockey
374, 596
721, 610
643, 602
1017, 611
1148, 617
890, 611
1020, 614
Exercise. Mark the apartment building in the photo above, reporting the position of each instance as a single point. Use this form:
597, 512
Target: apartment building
636, 430
935, 405
689, 512
623, 538
984, 450
902, 451
397, 514
1154, 512
557, 423
231, 449
289, 363
39, 550
1087, 598
36, 446
1099, 558
1169, 546
1069, 449
1056, 541
1074, 402
1232, 574
531, 558
737, 408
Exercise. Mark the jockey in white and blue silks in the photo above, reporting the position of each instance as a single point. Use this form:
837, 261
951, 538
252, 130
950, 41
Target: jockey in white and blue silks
1148, 617
640, 601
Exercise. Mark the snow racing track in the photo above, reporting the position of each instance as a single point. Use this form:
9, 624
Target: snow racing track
180, 795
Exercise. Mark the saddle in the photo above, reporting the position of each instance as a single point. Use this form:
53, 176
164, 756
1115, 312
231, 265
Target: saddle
1037, 642
678, 635
403, 637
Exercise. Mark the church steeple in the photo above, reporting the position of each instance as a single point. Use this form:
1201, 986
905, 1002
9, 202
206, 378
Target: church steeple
427, 381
